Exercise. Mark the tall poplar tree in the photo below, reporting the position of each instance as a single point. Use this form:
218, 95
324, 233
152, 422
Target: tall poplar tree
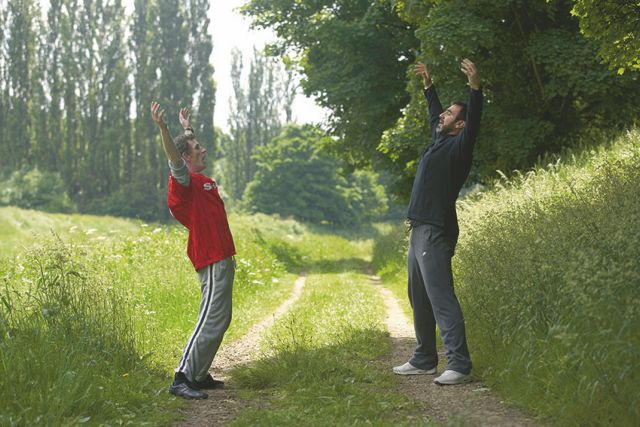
256, 115
201, 72
3, 90
50, 157
20, 53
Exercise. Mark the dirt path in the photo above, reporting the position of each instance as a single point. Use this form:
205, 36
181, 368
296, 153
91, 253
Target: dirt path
470, 404
222, 405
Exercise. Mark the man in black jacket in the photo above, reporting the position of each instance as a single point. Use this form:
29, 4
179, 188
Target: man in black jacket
443, 169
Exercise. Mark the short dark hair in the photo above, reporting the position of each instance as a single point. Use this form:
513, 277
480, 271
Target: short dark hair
182, 142
462, 114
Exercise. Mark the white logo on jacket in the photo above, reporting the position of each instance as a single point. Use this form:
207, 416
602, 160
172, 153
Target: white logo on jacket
208, 186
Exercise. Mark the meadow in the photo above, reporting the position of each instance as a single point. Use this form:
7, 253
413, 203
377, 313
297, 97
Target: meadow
95, 312
547, 272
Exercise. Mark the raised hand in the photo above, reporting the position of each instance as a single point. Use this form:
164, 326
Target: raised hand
421, 70
184, 118
469, 68
157, 114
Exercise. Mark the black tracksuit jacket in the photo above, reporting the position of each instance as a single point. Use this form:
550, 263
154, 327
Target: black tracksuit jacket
444, 167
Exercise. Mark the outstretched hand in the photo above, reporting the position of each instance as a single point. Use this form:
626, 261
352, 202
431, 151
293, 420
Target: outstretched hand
469, 68
421, 70
157, 114
184, 118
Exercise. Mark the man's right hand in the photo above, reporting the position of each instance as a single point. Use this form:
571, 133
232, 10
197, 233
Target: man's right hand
421, 70
157, 115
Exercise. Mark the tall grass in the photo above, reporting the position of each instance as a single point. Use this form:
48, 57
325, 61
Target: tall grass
389, 261
547, 272
69, 350
551, 286
91, 331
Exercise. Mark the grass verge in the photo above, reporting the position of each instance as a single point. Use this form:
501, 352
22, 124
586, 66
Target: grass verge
546, 271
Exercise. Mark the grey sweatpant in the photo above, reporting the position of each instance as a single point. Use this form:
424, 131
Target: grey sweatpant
213, 319
434, 301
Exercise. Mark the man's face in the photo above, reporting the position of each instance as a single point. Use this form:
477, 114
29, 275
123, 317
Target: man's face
449, 124
196, 158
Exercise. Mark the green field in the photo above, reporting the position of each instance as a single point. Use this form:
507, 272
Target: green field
96, 310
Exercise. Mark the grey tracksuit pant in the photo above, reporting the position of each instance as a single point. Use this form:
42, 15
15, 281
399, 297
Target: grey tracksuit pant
214, 318
434, 301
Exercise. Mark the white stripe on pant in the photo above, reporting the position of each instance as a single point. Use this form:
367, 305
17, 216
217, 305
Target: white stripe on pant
214, 318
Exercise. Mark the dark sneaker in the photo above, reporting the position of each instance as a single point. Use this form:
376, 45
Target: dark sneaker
207, 384
183, 390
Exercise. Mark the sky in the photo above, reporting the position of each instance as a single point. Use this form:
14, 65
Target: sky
230, 29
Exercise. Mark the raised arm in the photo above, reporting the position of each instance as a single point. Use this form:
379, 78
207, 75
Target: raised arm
474, 106
167, 141
435, 108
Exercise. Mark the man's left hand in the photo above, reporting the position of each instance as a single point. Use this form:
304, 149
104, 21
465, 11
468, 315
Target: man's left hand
184, 118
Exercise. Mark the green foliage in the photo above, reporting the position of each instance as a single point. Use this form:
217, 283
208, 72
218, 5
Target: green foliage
546, 273
544, 86
137, 198
353, 55
615, 27
35, 189
366, 198
296, 177
68, 79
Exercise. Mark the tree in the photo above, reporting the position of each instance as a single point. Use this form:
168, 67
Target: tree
545, 88
201, 70
3, 88
296, 177
255, 116
353, 55
69, 80
544, 85
615, 27
20, 47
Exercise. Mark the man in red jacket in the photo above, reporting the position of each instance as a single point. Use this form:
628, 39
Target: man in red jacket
194, 201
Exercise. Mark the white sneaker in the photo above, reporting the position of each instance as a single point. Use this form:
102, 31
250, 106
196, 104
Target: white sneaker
450, 377
409, 369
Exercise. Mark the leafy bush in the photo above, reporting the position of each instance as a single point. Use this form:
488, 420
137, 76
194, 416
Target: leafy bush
35, 189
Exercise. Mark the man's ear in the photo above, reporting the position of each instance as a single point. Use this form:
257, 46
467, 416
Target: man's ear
459, 124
